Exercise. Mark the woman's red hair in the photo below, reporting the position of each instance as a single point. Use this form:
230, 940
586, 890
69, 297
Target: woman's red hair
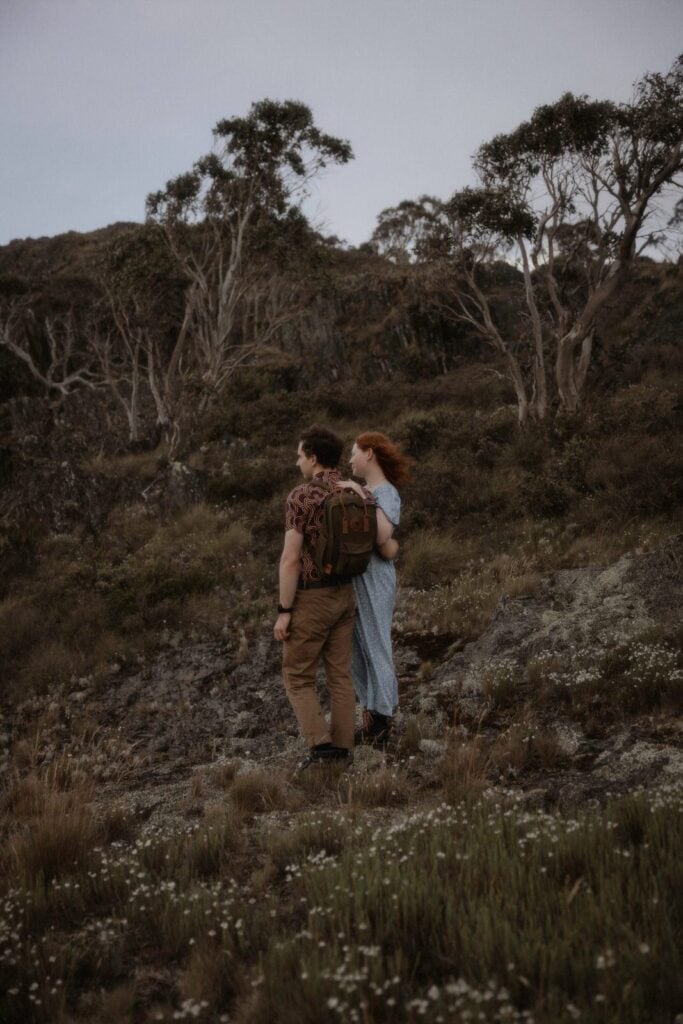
395, 465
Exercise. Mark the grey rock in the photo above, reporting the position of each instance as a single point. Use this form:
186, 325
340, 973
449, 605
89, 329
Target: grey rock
638, 762
427, 705
569, 738
406, 660
243, 724
574, 608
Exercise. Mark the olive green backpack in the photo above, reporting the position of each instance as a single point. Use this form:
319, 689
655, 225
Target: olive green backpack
348, 534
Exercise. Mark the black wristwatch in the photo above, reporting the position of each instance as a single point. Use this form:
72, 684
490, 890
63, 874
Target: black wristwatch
284, 611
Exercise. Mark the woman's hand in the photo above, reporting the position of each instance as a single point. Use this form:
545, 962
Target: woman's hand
351, 485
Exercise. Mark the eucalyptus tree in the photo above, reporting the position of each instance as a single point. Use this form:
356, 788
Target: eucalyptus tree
570, 198
50, 347
218, 221
135, 327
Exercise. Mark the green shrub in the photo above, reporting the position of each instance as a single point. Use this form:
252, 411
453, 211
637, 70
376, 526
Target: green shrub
258, 478
19, 624
419, 432
639, 408
547, 496
191, 554
645, 471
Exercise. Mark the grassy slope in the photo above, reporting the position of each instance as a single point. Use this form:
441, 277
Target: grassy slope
294, 900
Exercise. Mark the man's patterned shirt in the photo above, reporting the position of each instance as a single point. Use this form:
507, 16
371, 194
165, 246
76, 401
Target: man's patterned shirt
304, 513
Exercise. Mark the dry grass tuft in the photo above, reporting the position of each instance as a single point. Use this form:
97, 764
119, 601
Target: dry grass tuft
500, 684
320, 781
222, 773
384, 788
413, 729
210, 980
118, 824
463, 769
430, 557
117, 1005
525, 745
259, 791
50, 664
59, 842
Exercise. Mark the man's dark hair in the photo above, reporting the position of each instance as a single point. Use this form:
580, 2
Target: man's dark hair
322, 443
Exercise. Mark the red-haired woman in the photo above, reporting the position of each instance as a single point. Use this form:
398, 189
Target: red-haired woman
384, 468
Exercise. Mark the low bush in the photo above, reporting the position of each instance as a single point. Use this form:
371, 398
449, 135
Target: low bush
647, 469
314, 837
19, 623
258, 478
500, 683
191, 554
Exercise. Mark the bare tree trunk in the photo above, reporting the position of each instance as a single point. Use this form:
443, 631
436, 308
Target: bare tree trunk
569, 385
165, 419
520, 390
571, 372
584, 362
121, 370
564, 374
539, 405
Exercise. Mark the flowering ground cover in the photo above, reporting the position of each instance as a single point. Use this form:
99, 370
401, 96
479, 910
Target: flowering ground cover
480, 910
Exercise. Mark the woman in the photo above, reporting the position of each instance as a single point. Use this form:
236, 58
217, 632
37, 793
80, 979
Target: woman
383, 467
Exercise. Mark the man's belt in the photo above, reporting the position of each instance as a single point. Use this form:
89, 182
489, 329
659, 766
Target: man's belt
324, 582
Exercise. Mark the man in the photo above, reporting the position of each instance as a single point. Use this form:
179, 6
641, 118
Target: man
316, 615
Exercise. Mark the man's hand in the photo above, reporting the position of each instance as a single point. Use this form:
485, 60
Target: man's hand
281, 630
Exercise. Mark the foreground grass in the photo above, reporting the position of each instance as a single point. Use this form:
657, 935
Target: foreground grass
486, 912
479, 911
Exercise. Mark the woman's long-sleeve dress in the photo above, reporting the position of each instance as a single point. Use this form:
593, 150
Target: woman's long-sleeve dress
374, 675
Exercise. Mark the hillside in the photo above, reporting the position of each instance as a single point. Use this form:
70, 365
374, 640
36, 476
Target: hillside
514, 855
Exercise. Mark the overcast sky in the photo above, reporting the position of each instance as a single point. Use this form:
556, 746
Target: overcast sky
102, 101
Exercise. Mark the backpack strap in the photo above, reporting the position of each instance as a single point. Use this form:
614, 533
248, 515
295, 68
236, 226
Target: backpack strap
325, 485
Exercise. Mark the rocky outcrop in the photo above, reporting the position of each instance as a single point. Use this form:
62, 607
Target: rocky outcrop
198, 701
575, 609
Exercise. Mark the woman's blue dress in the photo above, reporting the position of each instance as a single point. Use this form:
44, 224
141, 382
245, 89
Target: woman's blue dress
372, 665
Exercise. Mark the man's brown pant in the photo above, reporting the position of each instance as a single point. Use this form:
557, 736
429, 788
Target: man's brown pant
322, 627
